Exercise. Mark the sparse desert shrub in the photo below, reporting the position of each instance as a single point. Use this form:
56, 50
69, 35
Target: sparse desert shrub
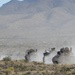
9, 70
1, 68
27, 73
34, 68
64, 69
38, 63
7, 59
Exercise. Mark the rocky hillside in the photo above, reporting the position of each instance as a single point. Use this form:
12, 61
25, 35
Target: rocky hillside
41, 21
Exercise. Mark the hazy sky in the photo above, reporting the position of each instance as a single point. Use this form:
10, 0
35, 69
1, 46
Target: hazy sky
4, 1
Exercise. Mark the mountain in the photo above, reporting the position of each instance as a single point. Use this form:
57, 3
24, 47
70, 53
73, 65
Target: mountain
38, 22
35, 6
